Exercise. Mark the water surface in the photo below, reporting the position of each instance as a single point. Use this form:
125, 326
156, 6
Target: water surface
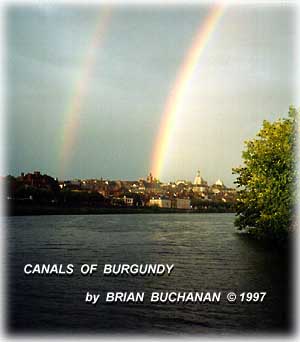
207, 253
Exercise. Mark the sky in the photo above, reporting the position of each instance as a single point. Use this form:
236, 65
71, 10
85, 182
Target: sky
86, 87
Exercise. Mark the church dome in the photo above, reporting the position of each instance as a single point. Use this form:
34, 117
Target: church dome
219, 182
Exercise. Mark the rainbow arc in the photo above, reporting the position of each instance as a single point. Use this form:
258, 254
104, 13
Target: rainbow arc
178, 90
72, 114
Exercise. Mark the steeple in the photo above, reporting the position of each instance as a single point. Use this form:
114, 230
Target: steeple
150, 178
198, 179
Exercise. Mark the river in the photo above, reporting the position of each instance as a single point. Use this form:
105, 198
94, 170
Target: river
207, 252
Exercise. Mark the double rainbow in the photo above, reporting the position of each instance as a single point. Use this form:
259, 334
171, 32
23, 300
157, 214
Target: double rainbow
172, 104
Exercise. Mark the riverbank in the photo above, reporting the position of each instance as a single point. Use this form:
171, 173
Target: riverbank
28, 210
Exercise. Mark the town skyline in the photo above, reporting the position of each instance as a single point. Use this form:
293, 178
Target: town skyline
145, 177
31, 190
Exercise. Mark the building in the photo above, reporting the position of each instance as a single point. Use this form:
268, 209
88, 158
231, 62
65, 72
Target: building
219, 183
218, 187
200, 186
150, 178
199, 180
160, 202
128, 201
37, 180
182, 203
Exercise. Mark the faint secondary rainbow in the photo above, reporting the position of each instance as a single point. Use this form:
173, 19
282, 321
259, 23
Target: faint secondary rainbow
72, 114
176, 95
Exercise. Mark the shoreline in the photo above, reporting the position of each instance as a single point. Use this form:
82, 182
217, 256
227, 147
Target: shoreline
49, 210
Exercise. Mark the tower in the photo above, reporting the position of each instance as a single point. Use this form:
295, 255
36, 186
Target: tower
198, 179
150, 178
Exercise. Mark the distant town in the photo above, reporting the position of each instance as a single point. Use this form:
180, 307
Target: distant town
34, 191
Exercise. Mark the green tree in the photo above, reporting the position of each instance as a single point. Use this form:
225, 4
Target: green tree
267, 181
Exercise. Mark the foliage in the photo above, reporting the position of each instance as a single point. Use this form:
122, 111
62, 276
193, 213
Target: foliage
203, 205
81, 197
267, 181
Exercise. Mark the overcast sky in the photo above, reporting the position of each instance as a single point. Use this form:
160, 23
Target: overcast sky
245, 75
